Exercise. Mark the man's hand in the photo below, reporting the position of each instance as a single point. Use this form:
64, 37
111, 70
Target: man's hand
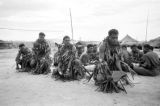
100, 60
67, 74
59, 70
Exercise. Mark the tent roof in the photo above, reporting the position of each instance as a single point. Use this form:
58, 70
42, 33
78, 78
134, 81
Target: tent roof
1, 41
155, 42
128, 40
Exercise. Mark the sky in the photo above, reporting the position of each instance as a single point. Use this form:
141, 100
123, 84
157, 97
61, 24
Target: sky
92, 19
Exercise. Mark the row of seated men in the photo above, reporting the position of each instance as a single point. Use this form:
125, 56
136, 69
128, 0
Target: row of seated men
144, 62
71, 57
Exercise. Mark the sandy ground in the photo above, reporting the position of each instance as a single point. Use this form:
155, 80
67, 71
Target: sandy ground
25, 89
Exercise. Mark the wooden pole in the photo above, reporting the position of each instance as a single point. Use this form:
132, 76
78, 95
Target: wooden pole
147, 27
71, 23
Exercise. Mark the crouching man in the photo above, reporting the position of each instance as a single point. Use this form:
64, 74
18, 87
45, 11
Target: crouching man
109, 73
68, 66
150, 65
42, 60
23, 58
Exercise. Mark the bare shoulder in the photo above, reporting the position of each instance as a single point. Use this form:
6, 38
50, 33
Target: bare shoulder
102, 46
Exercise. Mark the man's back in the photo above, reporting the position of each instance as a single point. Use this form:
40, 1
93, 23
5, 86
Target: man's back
126, 54
152, 58
84, 58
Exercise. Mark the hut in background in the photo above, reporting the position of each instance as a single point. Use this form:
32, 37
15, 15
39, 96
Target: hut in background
128, 40
5, 44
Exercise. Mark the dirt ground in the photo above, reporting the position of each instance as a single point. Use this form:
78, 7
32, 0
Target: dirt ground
25, 89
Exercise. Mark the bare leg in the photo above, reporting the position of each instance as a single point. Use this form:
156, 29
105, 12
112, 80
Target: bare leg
118, 64
17, 66
144, 72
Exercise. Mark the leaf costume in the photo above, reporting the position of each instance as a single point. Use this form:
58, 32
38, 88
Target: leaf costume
43, 61
107, 75
68, 66
23, 58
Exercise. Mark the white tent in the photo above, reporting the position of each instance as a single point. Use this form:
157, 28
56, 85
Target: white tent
128, 40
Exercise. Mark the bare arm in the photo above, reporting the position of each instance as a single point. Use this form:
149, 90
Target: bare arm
84, 59
18, 56
146, 63
102, 51
118, 63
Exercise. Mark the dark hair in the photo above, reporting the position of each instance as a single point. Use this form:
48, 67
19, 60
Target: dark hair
151, 48
140, 47
66, 37
113, 31
124, 46
132, 46
94, 45
89, 45
41, 33
147, 46
21, 45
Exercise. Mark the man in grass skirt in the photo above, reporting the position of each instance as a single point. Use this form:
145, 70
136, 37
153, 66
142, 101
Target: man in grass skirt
109, 72
41, 59
23, 58
68, 66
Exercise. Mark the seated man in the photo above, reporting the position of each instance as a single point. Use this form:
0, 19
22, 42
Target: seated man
150, 65
23, 58
80, 49
88, 57
136, 55
68, 66
95, 55
126, 56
